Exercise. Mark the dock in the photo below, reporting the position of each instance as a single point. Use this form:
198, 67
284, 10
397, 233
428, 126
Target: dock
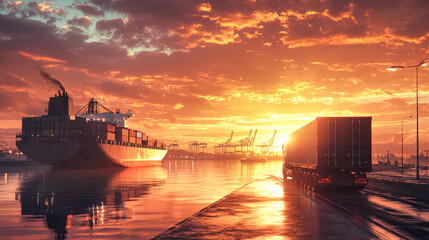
266, 209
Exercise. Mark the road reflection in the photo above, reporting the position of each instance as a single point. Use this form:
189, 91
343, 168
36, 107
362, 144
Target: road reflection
99, 195
384, 216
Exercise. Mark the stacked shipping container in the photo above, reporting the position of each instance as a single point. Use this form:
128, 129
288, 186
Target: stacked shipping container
65, 128
122, 134
132, 136
46, 128
103, 130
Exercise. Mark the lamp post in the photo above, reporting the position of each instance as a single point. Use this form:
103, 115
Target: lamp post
402, 156
422, 63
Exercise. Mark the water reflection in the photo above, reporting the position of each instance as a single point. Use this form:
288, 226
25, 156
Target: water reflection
97, 194
111, 204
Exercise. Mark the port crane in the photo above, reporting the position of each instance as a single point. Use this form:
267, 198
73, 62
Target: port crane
245, 146
197, 148
241, 147
173, 146
226, 147
230, 138
252, 142
267, 148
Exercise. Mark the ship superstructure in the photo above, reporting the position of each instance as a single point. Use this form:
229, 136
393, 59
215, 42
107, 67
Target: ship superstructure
97, 112
89, 139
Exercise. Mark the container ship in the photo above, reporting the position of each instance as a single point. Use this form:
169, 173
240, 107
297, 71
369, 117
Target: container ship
94, 137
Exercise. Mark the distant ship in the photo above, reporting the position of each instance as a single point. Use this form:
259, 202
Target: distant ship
91, 138
254, 159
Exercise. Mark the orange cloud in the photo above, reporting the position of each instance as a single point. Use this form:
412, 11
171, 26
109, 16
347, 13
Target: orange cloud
41, 58
205, 7
17, 3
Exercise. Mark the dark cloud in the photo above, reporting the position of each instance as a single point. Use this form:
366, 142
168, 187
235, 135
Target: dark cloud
13, 25
110, 25
89, 10
82, 22
125, 90
20, 34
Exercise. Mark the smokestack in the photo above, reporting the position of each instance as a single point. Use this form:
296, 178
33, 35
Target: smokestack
52, 80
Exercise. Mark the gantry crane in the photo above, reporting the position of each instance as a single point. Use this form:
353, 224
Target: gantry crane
226, 147
267, 148
245, 145
196, 148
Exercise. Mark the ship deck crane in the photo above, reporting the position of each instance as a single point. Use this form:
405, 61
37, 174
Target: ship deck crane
93, 110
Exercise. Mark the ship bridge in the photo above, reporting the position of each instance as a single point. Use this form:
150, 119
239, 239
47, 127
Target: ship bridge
97, 112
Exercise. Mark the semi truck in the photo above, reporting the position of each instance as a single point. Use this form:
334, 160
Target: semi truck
330, 152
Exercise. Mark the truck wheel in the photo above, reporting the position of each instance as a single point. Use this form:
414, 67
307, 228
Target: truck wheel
297, 178
304, 180
310, 182
301, 177
313, 180
307, 181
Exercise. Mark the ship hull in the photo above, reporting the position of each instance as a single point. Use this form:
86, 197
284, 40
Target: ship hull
91, 154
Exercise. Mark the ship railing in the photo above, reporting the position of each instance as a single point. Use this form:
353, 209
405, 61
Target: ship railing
105, 141
42, 139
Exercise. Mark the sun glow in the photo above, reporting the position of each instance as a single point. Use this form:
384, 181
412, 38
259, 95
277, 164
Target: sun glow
280, 140
285, 138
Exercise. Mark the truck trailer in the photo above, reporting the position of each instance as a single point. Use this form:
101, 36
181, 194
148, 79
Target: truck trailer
330, 152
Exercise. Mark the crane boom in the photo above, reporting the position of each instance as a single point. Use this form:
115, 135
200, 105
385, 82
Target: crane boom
254, 136
230, 138
272, 139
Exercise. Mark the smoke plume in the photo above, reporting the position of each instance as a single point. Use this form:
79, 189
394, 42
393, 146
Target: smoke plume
52, 80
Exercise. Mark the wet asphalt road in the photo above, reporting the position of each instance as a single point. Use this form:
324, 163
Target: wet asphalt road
388, 212
269, 209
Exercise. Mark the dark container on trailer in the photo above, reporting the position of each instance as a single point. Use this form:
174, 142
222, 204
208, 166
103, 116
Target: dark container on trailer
330, 152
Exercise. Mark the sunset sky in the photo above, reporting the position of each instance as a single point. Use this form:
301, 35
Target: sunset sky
197, 70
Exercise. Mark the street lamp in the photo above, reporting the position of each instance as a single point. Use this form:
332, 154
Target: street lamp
402, 156
394, 68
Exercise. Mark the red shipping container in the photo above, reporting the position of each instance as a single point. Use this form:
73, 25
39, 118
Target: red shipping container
145, 137
105, 127
121, 138
132, 139
138, 140
106, 135
133, 133
122, 131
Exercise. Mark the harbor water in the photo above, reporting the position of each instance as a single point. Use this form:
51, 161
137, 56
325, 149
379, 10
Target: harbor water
37, 202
